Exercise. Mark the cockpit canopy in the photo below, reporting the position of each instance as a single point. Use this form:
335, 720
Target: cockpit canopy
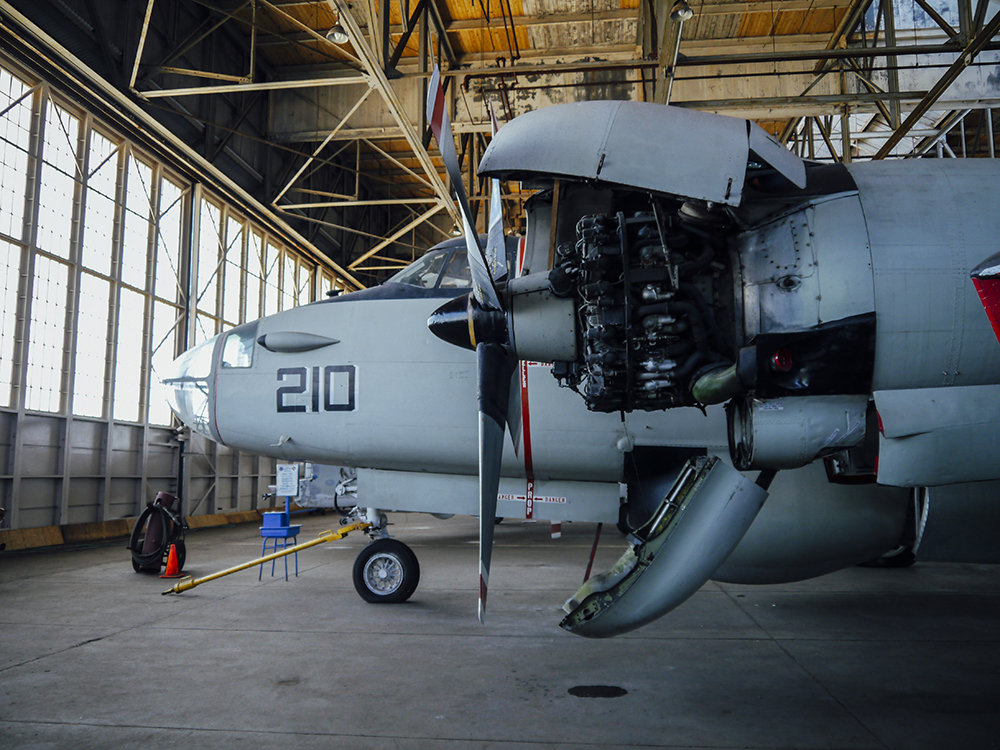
441, 268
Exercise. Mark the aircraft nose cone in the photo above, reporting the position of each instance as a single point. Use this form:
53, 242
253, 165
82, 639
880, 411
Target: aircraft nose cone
189, 379
462, 322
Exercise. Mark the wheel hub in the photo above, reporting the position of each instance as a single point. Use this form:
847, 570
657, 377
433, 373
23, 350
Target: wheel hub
383, 573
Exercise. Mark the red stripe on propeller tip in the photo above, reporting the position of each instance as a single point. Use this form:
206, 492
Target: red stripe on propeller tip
436, 108
482, 598
437, 113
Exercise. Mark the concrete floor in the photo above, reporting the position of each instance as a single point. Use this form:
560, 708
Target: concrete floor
92, 656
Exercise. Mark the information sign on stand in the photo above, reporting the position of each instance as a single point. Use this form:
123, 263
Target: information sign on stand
287, 481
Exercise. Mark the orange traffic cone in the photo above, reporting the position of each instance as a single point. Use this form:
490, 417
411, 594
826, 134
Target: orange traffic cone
173, 569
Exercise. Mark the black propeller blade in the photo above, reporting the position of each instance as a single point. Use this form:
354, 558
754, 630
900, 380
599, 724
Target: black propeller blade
478, 322
495, 369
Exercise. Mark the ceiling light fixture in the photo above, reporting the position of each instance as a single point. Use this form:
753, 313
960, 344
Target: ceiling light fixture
681, 11
337, 35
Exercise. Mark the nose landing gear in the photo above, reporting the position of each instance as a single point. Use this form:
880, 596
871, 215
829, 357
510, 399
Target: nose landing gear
386, 571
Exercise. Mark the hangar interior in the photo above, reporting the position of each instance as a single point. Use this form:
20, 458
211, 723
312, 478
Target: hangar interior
172, 169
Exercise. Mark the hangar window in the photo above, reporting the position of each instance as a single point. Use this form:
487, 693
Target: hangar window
91, 346
272, 273
208, 264
202, 325
233, 272
303, 291
325, 285
288, 283
254, 276
16, 99
168, 240
128, 361
138, 220
99, 217
59, 171
47, 324
99, 261
10, 258
164, 350
167, 311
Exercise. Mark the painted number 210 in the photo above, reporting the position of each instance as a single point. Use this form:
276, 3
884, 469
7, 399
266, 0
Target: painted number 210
330, 388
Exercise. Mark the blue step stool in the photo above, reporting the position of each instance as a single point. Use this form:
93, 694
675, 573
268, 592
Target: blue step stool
276, 527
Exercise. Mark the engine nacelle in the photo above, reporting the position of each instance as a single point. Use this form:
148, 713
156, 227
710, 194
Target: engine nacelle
789, 433
705, 262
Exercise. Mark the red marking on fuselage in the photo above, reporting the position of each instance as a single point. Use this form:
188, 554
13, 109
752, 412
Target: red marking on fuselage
529, 471
989, 294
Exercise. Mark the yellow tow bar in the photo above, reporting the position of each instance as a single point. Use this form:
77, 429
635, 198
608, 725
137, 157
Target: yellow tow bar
327, 536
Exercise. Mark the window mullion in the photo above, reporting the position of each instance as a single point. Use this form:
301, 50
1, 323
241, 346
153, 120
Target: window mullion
21, 347
72, 314
117, 243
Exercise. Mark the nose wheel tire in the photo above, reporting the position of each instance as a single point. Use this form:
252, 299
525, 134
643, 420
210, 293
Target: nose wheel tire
386, 572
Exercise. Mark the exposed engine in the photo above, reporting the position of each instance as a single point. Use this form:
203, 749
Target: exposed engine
651, 319
687, 303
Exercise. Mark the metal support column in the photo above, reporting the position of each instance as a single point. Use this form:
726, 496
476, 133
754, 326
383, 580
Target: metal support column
190, 231
25, 296
845, 135
889, 18
989, 133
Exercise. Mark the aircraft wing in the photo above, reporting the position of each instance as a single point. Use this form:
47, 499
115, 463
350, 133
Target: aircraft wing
937, 436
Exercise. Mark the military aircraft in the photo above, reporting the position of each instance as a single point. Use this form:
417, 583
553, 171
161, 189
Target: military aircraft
674, 262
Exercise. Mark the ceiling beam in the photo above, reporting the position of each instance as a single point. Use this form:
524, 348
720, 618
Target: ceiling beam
245, 87
395, 236
851, 53
968, 55
575, 17
379, 80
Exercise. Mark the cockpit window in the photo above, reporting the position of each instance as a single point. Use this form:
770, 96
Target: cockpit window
238, 349
457, 274
423, 272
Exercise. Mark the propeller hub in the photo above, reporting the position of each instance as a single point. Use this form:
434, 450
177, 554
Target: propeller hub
463, 322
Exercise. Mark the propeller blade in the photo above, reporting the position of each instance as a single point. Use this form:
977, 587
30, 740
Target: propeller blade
494, 368
480, 323
483, 287
515, 406
496, 251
